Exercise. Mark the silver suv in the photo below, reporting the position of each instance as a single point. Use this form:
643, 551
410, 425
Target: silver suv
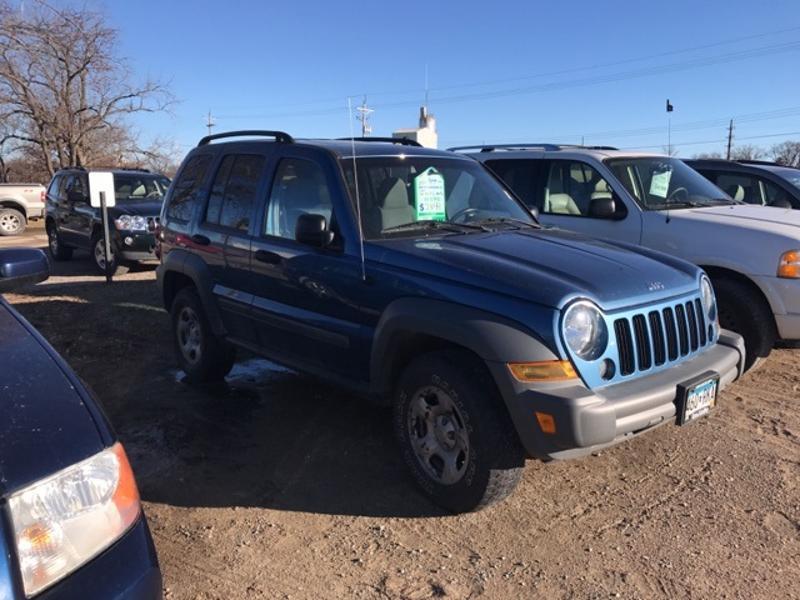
751, 253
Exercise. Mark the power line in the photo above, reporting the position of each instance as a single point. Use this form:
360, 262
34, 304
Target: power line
716, 141
567, 84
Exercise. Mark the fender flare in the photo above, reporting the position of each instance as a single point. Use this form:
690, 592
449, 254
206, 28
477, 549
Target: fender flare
491, 337
193, 267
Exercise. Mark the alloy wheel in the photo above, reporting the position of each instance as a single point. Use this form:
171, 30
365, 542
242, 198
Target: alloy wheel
190, 335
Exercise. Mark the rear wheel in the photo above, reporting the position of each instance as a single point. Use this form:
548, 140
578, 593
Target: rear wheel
57, 249
99, 256
202, 355
743, 310
454, 432
12, 221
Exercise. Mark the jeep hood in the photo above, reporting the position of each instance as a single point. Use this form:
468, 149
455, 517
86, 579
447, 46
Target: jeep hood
546, 266
137, 208
45, 425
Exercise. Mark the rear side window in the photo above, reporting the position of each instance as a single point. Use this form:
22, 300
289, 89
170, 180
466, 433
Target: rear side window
184, 196
520, 176
234, 191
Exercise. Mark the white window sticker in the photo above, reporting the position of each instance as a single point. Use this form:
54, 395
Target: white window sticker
659, 184
429, 196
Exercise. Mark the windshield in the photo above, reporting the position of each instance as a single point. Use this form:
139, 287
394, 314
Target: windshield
401, 195
660, 182
133, 187
790, 175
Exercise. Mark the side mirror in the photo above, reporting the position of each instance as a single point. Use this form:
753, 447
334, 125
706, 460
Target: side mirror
19, 266
602, 208
312, 230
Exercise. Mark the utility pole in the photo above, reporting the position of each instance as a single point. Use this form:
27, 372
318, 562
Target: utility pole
209, 122
363, 116
730, 139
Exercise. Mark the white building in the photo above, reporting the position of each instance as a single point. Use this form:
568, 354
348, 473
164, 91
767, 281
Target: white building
425, 134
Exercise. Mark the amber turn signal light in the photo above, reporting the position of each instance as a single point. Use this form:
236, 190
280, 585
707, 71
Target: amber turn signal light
549, 370
546, 422
789, 265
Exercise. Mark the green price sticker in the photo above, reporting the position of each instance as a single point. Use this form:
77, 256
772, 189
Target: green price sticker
429, 196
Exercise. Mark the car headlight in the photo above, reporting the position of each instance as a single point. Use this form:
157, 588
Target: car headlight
131, 223
585, 331
707, 295
65, 520
789, 265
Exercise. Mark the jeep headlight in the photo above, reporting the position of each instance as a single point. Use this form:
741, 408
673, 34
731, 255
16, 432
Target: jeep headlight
131, 223
707, 295
63, 521
585, 331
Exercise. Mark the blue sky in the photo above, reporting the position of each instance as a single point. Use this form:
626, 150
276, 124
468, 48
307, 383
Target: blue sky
498, 71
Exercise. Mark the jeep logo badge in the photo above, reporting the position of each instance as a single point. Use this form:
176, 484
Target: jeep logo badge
655, 286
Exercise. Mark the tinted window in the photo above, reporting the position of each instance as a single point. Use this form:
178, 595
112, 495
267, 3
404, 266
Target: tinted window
56, 186
233, 193
76, 191
741, 186
184, 196
299, 188
520, 176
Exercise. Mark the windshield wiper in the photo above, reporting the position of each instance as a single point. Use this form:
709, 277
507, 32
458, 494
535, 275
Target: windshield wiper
433, 224
508, 220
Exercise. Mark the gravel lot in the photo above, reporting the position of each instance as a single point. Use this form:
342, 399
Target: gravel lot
279, 486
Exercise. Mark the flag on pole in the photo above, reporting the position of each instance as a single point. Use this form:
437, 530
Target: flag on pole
669, 106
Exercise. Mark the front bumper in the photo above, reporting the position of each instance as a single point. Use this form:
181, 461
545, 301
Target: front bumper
135, 245
588, 420
784, 299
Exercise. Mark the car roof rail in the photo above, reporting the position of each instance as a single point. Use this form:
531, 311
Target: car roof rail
493, 147
390, 140
103, 168
769, 163
280, 136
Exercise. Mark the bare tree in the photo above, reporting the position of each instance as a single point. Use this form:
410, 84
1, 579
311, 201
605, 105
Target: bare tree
708, 155
786, 153
747, 152
63, 84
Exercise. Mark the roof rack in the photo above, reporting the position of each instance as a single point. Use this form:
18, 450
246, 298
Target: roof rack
280, 136
770, 163
102, 168
390, 140
528, 146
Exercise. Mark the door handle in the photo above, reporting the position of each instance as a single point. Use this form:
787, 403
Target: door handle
200, 240
265, 256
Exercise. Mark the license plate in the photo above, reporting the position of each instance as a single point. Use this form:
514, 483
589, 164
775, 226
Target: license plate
696, 399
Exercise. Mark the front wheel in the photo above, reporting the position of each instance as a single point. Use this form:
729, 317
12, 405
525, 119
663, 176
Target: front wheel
12, 222
454, 432
203, 356
99, 256
743, 310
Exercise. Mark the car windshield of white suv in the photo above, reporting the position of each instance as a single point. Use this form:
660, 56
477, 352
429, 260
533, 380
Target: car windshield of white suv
130, 188
401, 195
659, 183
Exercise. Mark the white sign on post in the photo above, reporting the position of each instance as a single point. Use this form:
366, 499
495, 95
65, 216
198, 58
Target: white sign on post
101, 182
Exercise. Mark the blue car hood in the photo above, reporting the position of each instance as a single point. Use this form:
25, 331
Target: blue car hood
45, 425
546, 266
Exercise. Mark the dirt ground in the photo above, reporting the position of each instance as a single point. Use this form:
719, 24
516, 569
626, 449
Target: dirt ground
275, 485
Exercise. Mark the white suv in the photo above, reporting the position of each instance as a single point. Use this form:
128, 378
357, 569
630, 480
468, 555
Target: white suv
751, 253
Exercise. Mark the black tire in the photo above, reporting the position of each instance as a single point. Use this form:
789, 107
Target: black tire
491, 466
12, 221
213, 357
58, 251
743, 310
97, 252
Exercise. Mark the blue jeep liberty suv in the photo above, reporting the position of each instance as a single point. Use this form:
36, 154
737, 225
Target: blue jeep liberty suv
417, 279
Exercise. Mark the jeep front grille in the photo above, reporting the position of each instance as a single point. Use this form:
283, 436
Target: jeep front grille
659, 337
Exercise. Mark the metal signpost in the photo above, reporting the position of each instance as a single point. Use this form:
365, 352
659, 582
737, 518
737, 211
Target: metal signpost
101, 195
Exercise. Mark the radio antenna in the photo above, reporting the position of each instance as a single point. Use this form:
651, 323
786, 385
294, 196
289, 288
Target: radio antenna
358, 196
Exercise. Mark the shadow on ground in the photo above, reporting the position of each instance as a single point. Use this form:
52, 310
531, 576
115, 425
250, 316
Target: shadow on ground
268, 437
